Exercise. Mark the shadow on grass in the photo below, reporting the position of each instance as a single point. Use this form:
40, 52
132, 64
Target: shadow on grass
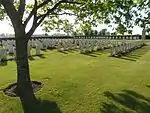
148, 86
89, 54
75, 50
125, 102
97, 53
3, 63
44, 50
136, 54
64, 52
112, 108
71, 51
41, 56
31, 104
51, 48
68, 51
42, 106
104, 51
32, 57
126, 58
141, 51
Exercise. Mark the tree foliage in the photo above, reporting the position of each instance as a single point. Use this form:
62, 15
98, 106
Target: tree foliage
48, 13
125, 13
129, 13
121, 29
103, 32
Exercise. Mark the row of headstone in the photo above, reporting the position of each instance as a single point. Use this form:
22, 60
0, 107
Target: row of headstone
84, 45
9, 46
109, 37
3, 54
65, 45
41, 44
88, 46
119, 50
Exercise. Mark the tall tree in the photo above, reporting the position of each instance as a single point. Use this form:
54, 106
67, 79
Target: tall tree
143, 15
20, 12
127, 13
95, 32
103, 32
121, 29
86, 28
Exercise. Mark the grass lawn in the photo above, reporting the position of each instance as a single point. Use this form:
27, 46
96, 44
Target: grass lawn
76, 83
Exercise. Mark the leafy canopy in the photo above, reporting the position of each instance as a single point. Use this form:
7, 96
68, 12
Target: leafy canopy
48, 13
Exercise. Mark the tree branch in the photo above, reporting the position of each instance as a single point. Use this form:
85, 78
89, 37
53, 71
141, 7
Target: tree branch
33, 12
31, 31
40, 18
12, 13
1, 2
60, 2
55, 7
44, 3
21, 8
65, 13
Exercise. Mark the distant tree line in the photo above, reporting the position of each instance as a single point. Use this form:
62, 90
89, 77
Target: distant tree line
92, 32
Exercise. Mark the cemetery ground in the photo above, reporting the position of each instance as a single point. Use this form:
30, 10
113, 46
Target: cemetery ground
77, 83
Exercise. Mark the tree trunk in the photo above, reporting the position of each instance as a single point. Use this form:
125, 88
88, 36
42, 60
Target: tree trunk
143, 33
24, 85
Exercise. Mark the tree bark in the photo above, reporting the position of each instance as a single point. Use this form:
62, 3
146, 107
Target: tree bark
24, 85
